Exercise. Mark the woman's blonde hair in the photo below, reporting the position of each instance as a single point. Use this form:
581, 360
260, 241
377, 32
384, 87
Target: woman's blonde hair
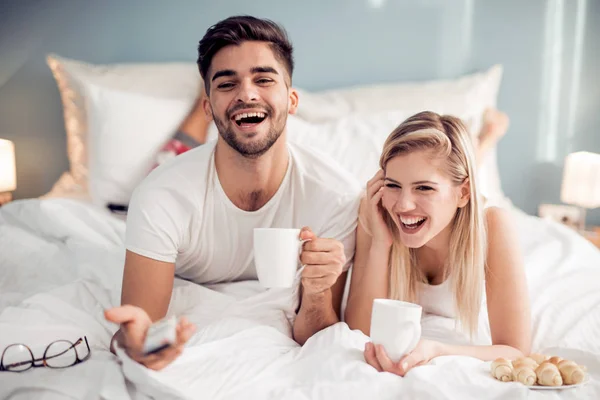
447, 137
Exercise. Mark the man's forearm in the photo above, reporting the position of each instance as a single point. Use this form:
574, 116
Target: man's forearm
316, 313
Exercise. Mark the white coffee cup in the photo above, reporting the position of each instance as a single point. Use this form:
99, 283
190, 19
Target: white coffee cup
396, 325
277, 256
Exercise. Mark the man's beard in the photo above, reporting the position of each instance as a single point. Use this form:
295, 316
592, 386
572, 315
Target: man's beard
255, 149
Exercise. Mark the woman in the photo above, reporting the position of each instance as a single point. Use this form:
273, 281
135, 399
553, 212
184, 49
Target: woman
425, 237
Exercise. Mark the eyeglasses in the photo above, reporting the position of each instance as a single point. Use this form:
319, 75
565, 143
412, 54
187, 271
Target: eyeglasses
59, 354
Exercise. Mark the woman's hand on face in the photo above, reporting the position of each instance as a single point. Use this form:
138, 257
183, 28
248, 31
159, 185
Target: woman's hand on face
376, 357
376, 225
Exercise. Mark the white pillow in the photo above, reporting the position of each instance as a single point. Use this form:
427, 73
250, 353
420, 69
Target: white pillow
125, 132
383, 107
355, 141
454, 96
174, 86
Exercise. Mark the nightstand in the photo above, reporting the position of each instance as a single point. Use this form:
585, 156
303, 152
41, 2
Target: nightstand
592, 234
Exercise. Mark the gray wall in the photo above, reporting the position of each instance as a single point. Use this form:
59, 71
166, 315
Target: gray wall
550, 50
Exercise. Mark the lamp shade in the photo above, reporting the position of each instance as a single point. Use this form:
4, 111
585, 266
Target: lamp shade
8, 173
581, 180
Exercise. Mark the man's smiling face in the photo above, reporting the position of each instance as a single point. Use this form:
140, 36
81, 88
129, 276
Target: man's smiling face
250, 97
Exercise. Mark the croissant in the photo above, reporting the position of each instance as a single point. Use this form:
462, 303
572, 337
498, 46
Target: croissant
502, 370
525, 374
548, 374
538, 358
525, 362
570, 372
555, 360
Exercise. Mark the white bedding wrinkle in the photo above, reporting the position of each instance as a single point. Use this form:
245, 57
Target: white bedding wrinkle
61, 265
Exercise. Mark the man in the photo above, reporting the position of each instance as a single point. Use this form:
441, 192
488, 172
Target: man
194, 216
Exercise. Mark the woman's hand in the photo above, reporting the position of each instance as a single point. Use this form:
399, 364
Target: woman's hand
377, 227
425, 351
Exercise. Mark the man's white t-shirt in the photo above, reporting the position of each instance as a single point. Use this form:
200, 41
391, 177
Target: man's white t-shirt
180, 213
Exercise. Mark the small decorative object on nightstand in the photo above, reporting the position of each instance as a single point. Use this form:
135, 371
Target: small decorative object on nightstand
581, 182
8, 175
562, 213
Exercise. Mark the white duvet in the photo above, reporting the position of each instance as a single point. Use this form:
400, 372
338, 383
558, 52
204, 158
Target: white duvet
61, 265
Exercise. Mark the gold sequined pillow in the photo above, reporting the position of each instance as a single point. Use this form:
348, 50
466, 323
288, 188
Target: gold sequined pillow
74, 78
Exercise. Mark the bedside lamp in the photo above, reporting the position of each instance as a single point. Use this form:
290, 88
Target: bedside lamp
8, 174
581, 182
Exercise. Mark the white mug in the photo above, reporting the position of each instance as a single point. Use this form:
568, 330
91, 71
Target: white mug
277, 256
396, 325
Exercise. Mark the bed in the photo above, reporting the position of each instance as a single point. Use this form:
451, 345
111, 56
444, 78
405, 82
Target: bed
61, 258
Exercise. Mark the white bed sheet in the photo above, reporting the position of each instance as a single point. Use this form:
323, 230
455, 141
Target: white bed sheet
61, 265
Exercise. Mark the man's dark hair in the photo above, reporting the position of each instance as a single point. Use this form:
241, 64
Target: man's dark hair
238, 29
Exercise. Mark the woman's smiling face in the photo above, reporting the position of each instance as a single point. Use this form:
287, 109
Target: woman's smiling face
420, 196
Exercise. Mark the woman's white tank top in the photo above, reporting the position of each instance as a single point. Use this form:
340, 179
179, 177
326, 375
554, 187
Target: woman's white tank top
437, 299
